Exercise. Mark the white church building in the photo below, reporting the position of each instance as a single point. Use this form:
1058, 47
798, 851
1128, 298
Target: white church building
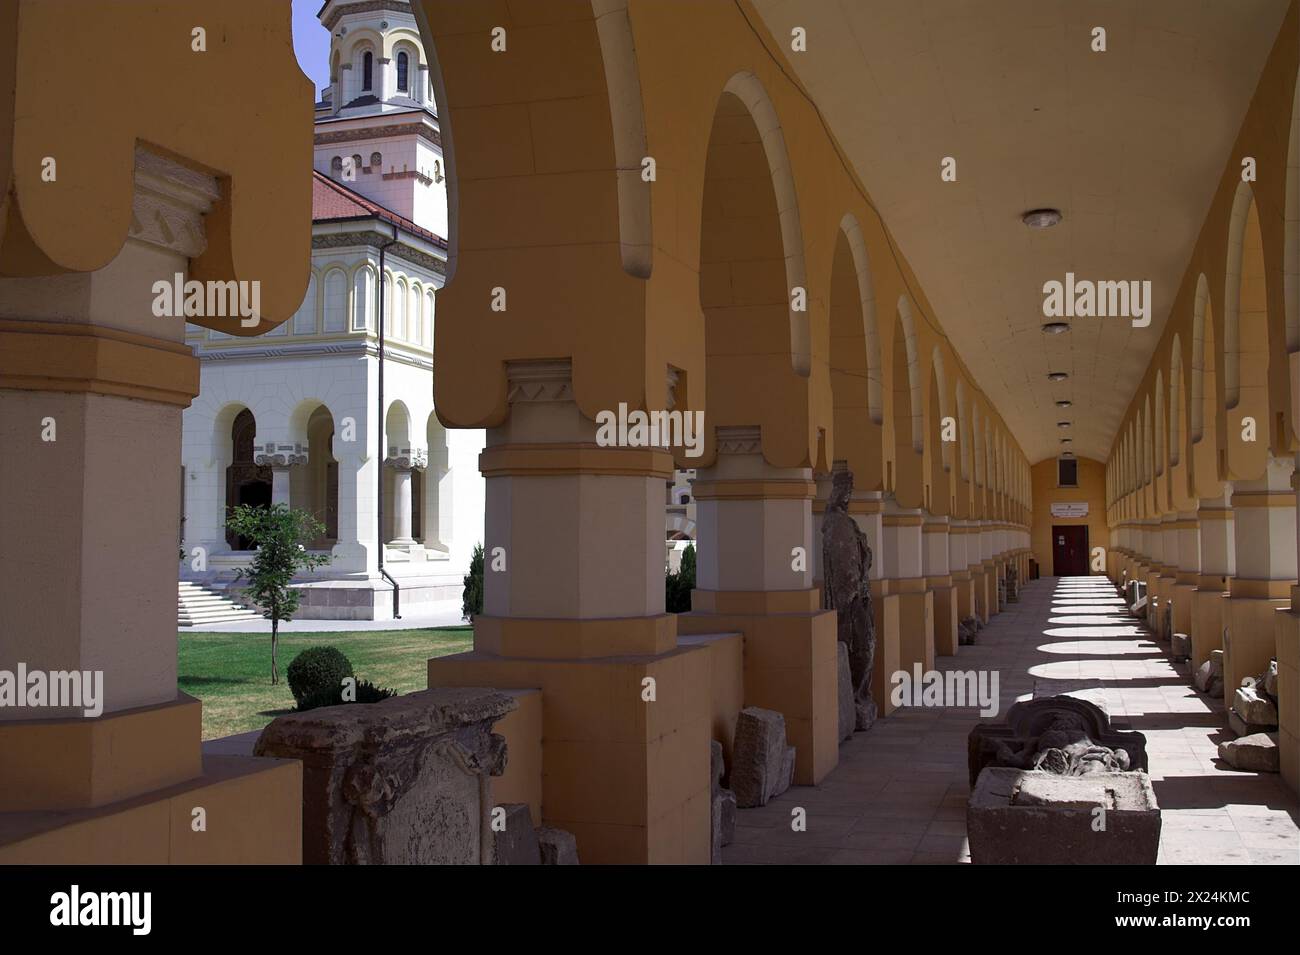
292, 416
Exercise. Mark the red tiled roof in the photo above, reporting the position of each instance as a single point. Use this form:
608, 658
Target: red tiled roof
332, 201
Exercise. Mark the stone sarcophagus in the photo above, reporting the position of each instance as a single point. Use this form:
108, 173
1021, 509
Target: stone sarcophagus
1068, 735
1105, 818
402, 781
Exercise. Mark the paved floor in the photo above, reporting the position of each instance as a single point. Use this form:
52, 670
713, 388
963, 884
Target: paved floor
899, 793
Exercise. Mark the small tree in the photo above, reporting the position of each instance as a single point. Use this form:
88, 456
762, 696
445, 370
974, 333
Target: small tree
678, 586
471, 601
279, 534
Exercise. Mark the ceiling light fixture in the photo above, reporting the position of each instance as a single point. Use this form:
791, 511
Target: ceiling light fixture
1064, 403
1041, 218
1062, 424
1067, 440
1056, 328
1057, 376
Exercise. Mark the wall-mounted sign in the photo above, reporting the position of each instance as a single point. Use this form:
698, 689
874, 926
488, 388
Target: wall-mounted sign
1070, 509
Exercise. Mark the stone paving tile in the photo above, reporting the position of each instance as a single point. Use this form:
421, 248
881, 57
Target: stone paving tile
899, 793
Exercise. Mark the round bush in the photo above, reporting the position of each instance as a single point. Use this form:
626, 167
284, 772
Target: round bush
317, 669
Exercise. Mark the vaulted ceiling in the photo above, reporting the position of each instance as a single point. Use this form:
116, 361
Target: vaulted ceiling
1129, 144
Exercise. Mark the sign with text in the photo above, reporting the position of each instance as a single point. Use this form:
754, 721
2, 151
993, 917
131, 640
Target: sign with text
1069, 509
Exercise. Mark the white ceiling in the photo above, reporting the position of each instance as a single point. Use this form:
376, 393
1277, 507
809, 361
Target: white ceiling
1129, 144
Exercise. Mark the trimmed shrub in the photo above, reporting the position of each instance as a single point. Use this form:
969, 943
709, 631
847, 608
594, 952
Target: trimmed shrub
317, 669
367, 692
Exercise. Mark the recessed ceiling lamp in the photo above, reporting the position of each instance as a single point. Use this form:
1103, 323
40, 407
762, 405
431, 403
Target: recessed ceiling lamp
1067, 440
1064, 403
1062, 424
1041, 218
1067, 454
1057, 376
1056, 328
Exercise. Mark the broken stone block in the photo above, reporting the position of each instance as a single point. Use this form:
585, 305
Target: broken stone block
1209, 676
1256, 753
398, 782
786, 779
1181, 647
1240, 727
516, 843
758, 756
558, 846
1015, 816
847, 705
722, 825
1254, 707
728, 822
966, 631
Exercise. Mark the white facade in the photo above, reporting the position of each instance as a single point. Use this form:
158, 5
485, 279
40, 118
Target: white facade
293, 415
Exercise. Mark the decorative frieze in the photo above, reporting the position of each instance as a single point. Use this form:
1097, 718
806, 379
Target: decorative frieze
273, 455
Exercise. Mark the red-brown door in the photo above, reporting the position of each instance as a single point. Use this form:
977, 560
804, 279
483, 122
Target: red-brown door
1070, 550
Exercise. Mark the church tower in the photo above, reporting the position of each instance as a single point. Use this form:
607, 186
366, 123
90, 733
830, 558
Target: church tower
377, 125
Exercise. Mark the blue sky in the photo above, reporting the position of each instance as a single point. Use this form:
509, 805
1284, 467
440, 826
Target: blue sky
311, 42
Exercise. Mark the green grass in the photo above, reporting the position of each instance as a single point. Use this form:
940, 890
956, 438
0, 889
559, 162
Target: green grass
231, 672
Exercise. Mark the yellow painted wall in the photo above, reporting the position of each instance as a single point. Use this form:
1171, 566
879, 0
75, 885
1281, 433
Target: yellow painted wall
1092, 489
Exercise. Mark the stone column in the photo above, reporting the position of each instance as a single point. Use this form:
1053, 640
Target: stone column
959, 566
574, 605
1287, 648
754, 575
1187, 569
403, 462
1265, 531
905, 572
935, 534
280, 486
1218, 547
92, 388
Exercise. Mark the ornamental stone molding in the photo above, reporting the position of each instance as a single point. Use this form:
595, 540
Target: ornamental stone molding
369, 237
371, 132
746, 439
279, 455
170, 203
538, 381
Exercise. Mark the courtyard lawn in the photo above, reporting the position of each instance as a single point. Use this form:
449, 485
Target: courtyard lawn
231, 672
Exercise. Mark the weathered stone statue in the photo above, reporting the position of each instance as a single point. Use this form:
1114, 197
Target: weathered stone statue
846, 566
1066, 735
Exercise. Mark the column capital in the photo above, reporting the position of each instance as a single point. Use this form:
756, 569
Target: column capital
406, 459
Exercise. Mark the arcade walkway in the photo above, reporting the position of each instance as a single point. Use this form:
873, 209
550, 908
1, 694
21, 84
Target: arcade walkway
899, 793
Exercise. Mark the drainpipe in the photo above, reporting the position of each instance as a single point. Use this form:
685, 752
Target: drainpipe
379, 480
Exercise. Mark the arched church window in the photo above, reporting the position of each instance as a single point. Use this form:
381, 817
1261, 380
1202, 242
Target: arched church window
437, 170
376, 160
336, 164
402, 61
367, 68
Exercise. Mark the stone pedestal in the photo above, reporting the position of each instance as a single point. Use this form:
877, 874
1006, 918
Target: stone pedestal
1016, 817
400, 782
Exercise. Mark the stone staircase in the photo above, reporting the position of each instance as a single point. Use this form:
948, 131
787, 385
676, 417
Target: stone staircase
196, 605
